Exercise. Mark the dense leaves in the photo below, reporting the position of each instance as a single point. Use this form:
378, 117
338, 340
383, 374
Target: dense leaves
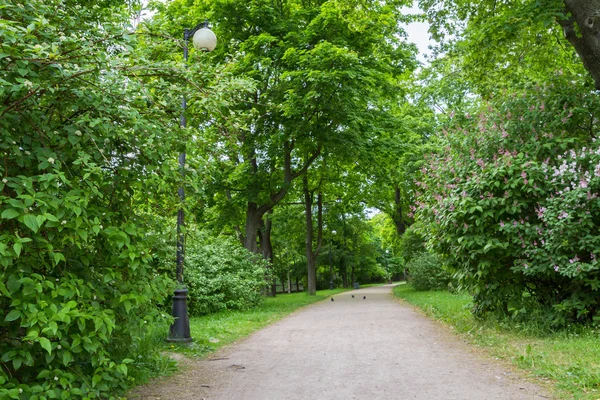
426, 272
222, 275
81, 144
324, 71
511, 201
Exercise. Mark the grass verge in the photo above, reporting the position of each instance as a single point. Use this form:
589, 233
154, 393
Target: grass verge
210, 332
569, 360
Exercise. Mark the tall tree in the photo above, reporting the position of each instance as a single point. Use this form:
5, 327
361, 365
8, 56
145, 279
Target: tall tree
320, 68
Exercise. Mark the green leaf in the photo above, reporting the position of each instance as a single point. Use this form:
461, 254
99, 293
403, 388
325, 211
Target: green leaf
51, 217
67, 357
122, 368
3, 289
45, 343
10, 213
82, 234
17, 247
13, 315
58, 257
31, 222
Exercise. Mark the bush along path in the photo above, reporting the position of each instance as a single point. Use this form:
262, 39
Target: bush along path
364, 344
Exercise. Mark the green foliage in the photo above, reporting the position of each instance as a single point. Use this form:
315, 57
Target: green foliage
412, 244
222, 275
426, 272
81, 145
511, 201
323, 72
489, 46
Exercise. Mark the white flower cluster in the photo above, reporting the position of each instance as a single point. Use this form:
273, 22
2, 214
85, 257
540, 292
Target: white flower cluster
570, 173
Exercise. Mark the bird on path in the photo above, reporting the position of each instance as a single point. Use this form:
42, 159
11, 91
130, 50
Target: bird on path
364, 297
352, 296
332, 299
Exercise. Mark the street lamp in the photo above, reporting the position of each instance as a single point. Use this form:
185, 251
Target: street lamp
203, 39
330, 262
387, 271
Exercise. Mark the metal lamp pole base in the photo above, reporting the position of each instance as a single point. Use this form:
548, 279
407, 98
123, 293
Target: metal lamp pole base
180, 330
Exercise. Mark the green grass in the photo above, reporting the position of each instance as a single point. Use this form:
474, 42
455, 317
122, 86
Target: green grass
569, 360
210, 332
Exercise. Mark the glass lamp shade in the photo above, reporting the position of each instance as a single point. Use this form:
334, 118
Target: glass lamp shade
205, 39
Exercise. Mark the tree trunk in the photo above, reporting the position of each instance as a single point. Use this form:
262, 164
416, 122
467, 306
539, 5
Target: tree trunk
352, 274
311, 256
311, 266
289, 279
582, 30
253, 224
344, 272
266, 247
255, 211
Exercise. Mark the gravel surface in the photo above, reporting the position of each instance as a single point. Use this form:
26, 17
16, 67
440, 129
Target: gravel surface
351, 348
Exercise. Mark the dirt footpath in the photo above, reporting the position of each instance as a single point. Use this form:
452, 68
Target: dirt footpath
377, 348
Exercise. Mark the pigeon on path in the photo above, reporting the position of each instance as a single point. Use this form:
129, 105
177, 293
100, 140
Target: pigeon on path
352, 296
364, 297
332, 299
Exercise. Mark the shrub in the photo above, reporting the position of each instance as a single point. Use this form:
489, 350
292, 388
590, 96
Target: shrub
81, 147
511, 200
412, 244
426, 272
222, 275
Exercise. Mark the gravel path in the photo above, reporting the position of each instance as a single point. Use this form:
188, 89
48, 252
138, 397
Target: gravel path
377, 348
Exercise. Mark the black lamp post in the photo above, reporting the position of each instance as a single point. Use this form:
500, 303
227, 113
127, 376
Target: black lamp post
331, 262
387, 271
203, 39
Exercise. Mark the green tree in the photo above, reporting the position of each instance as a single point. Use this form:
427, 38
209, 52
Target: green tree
320, 69
499, 45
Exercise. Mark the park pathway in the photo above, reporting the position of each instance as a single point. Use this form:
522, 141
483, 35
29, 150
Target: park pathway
376, 348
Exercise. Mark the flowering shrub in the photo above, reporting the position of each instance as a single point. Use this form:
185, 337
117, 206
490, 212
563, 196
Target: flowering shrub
511, 202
